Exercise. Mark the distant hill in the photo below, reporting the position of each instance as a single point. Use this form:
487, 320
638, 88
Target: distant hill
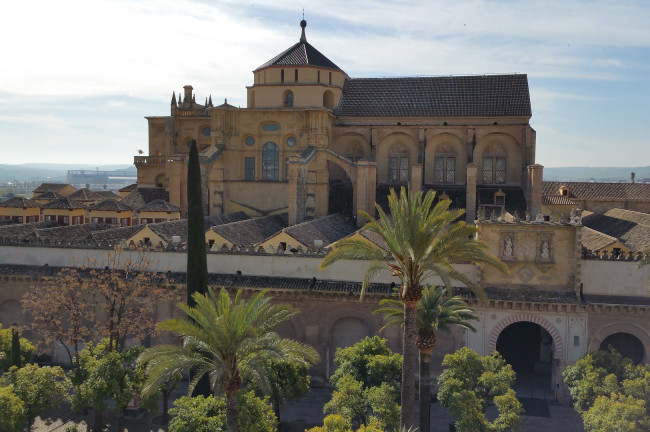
52, 173
601, 174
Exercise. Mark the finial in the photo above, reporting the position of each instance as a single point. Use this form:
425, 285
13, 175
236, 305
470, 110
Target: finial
303, 24
225, 101
210, 100
174, 98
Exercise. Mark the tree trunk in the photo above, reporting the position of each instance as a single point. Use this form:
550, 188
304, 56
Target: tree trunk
98, 423
232, 410
425, 391
165, 400
408, 366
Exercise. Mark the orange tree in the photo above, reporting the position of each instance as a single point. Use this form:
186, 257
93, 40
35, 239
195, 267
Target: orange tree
424, 240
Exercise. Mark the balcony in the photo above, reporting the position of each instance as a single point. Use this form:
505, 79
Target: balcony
149, 160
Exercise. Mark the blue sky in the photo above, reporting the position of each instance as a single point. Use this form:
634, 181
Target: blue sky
78, 76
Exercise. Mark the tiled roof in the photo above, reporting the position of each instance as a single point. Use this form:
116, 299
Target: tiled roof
64, 203
70, 233
252, 231
617, 300
300, 54
595, 240
166, 230
328, 229
159, 206
129, 188
373, 237
557, 200
211, 221
453, 96
109, 205
636, 236
588, 190
142, 196
19, 202
23, 231
50, 195
114, 234
50, 187
85, 194
629, 215
106, 194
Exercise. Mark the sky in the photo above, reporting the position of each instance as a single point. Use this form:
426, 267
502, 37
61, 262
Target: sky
78, 77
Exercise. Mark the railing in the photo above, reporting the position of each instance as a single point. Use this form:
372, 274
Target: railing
148, 160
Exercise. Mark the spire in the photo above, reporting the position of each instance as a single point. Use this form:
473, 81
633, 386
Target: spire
194, 99
174, 98
303, 24
210, 101
206, 101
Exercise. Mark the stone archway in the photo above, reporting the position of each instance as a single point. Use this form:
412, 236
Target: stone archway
558, 345
600, 336
345, 332
626, 344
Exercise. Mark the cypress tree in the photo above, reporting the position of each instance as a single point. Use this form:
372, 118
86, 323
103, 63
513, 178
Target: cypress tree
197, 264
15, 346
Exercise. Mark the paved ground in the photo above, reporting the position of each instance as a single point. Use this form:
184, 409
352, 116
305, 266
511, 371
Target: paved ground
308, 412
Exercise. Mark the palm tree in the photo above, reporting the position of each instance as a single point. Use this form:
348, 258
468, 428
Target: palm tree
434, 312
424, 240
229, 340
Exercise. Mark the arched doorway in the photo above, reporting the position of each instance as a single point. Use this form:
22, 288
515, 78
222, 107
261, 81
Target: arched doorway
345, 332
626, 344
528, 348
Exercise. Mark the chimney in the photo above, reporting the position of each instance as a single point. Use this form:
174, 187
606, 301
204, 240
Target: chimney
188, 93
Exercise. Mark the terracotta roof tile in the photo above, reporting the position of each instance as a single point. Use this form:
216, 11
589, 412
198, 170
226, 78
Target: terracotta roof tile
50, 187
588, 190
557, 200
328, 229
24, 231
50, 195
84, 194
454, 96
595, 240
19, 202
106, 194
634, 235
70, 233
142, 196
109, 205
129, 188
166, 230
252, 231
300, 54
159, 206
114, 235
64, 203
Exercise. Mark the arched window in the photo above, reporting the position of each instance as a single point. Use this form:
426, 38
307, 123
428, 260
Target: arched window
270, 161
444, 168
398, 165
288, 99
494, 169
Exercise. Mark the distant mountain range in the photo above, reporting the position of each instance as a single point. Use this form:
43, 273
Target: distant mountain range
56, 173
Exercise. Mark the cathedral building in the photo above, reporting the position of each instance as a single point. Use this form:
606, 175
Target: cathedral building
313, 141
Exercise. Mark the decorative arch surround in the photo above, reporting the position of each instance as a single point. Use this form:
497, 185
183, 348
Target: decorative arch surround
445, 158
620, 327
499, 159
395, 156
542, 322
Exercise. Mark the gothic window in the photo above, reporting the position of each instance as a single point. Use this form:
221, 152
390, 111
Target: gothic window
444, 169
288, 100
494, 169
249, 168
270, 161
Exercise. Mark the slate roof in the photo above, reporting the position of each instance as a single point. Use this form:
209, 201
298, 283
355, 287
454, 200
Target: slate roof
24, 231
588, 190
634, 235
19, 202
109, 205
159, 206
141, 196
252, 231
595, 240
301, 54
70, 233
50, 187
85, 194
64, 203
327, 228
557, 200
452, 96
